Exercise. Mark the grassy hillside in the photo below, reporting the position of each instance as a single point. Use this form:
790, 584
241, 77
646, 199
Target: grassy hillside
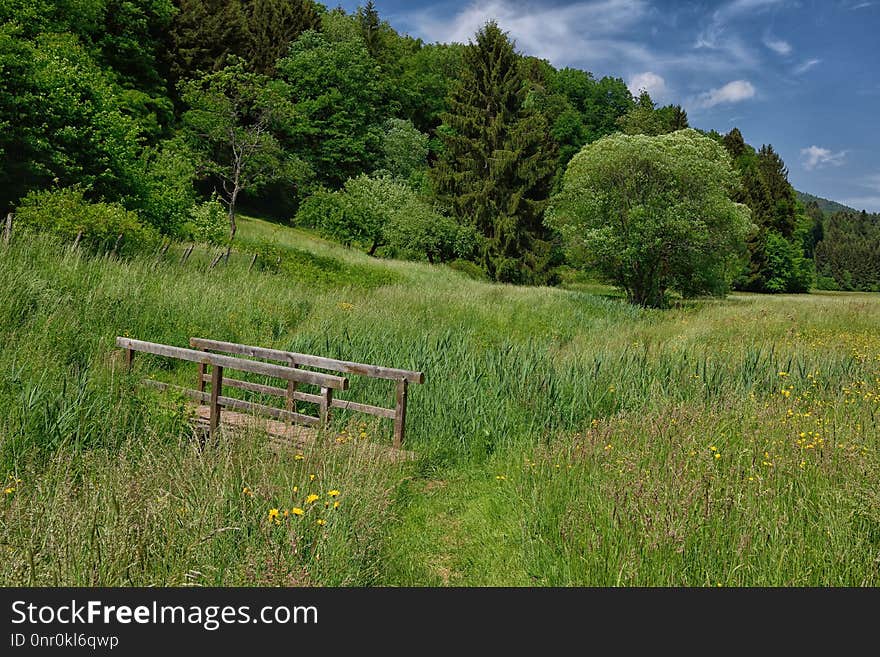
564, 437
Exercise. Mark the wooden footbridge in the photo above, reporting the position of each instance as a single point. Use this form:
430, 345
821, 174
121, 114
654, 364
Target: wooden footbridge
215, 358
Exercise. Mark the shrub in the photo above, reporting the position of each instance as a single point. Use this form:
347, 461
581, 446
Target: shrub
66, 212
208, 223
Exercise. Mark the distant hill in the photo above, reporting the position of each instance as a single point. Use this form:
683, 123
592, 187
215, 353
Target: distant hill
828, 207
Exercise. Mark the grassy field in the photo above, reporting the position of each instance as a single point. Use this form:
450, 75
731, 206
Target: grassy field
563, 436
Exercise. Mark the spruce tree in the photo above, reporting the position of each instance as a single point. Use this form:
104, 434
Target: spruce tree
204, 34
497, 163
272, 25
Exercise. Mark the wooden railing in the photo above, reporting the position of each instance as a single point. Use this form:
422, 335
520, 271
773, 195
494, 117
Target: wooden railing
215, 399
326, 401
290, 372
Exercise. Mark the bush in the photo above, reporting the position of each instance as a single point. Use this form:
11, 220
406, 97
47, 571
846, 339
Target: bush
208, 222
325, 211
66, 212
788, 269
166, 197
416, 231
469, 269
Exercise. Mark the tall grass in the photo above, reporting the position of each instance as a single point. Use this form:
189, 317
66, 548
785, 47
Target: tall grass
563, 437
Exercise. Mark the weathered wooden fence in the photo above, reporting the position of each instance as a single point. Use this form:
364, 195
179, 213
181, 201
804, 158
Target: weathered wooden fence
326, 401
291, 372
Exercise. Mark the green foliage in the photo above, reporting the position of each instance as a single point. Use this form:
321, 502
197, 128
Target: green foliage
848, 257
775, 213
497, 163
404, 150
377, 211
335, 86
166, 194
272, 25
653, 214
207, 223
69, 123
204, 34
66, 212
417, 231
787, 270
232, 127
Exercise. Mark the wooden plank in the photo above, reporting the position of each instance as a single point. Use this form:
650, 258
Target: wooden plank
239, 364
347, 367
129, 357
216, 389
363, 408
252, 387
229, 402
324, 406
400, 414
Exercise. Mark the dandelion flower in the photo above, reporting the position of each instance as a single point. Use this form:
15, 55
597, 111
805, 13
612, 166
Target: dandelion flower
296, 489
312, 498
299, 457
311, 477
297, 511
717, 455
336, 505
273, 514
333, 493
247, 491
9, 490
321, 522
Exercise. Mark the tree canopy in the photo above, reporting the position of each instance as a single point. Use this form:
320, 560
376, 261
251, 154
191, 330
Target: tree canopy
654, 214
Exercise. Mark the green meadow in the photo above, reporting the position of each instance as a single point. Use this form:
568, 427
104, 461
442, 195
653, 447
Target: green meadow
562, 436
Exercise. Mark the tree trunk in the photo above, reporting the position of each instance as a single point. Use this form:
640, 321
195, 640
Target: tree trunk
373, 248
232, 225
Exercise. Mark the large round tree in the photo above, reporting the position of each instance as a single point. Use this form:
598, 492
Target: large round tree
654, 214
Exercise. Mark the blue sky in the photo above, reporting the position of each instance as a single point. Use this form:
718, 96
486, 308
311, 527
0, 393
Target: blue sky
803, 75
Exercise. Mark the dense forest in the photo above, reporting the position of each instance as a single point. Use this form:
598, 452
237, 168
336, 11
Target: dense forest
161, 120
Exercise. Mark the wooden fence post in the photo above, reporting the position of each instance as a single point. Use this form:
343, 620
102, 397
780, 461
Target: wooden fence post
7, 231
291, 388
78, 238
129, 357
324, 406
187, 253
216, 385
116, 246
400, 413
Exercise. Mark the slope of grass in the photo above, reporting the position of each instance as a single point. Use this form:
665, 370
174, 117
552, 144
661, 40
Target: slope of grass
564, 437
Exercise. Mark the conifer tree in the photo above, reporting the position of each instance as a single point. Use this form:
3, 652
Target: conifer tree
497, 164
204, 33
272, 26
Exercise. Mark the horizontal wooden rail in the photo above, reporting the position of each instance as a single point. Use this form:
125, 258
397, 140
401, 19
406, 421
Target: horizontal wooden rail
230, 402
239, 364
347, 367
304, 396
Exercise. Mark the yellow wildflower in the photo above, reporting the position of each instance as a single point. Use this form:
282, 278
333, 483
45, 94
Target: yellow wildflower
298, 457
312, 498
311, 477
336, 505
247, 491
273, 514
321, 522
297, 511
333, 493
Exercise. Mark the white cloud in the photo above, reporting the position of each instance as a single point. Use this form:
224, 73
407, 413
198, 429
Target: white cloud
816, 157
863, 5
654, 84
778, 46
806, 66
732, 92
600, 30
